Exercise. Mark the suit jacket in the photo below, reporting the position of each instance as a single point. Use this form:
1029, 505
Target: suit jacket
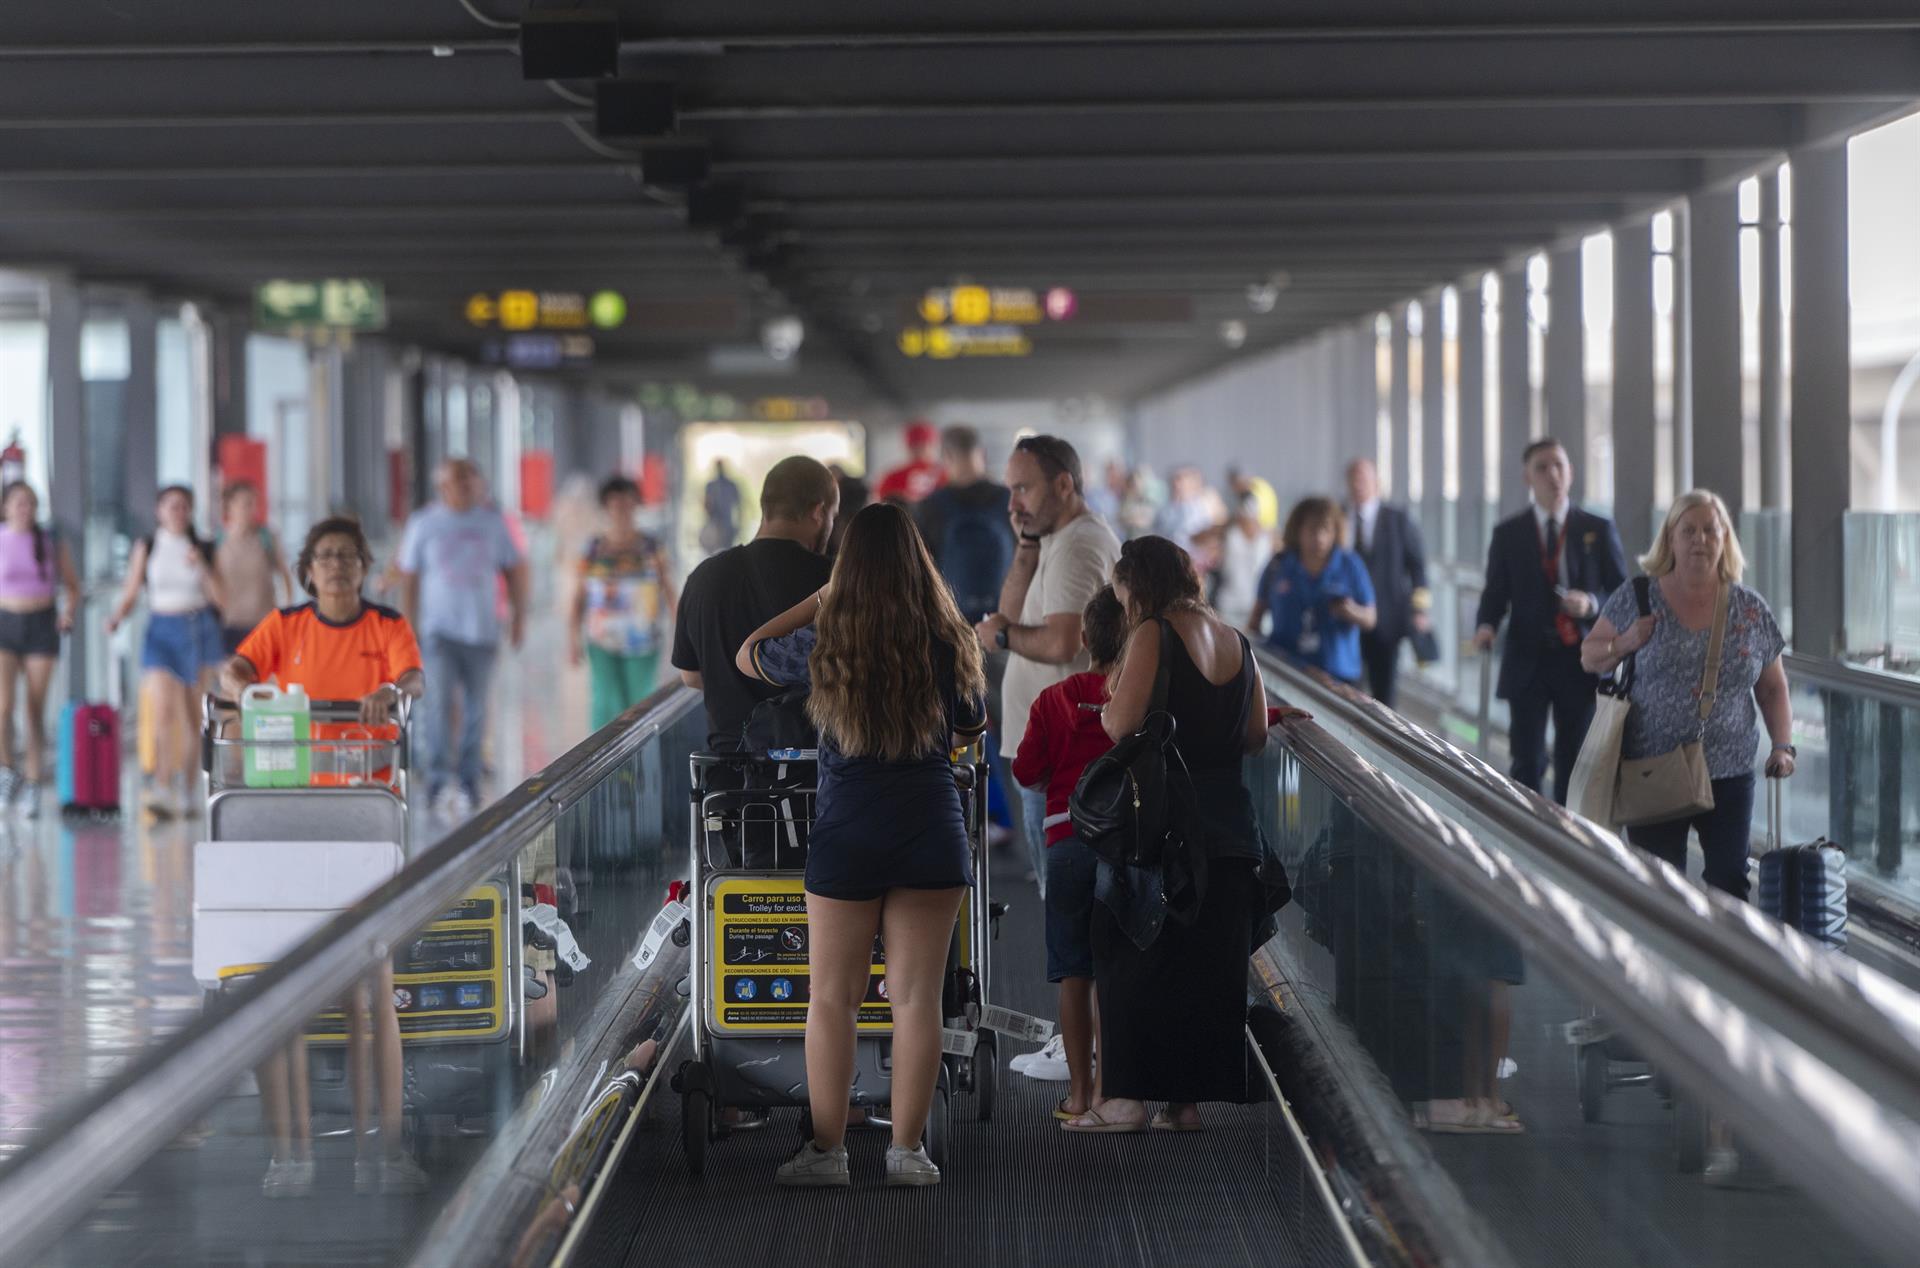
1396, 559
1517, 584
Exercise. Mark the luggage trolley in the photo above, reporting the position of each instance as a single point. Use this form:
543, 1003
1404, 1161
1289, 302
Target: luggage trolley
458, 984
748, 986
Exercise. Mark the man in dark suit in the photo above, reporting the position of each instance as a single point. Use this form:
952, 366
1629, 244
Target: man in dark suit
1551, 566
1389, 541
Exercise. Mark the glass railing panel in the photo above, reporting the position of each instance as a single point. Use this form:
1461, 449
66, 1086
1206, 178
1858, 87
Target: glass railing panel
1857, 781
1766, 538
1883, 590
1563, 1122
354, 1125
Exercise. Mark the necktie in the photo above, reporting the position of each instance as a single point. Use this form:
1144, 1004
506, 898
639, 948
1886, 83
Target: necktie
1360, 532
1563, 626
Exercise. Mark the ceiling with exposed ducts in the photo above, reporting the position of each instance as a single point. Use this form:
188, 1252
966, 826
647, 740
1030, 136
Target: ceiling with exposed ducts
1175, 167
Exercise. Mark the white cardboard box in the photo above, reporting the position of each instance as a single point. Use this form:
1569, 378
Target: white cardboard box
253, 901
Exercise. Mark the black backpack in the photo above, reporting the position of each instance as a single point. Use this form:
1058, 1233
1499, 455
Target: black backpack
1123, 808
975, 554
780, 722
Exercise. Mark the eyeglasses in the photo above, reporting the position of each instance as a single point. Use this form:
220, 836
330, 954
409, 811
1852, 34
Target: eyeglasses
342, 557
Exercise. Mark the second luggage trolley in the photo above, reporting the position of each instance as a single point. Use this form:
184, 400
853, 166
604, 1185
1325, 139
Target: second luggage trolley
458, 984
748, 985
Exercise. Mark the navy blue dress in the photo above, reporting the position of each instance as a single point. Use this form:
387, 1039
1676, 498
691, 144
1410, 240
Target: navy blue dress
881, 825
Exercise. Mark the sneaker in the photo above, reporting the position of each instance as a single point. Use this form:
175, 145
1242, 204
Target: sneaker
366, 1175
1049, 1065
10, 781
910, 1166
288, 1179
158, 802
812, 1167
403, 1175
26, 796
1055, 1050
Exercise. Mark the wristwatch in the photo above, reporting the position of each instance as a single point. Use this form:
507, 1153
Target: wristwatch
1788, 749
1000, 638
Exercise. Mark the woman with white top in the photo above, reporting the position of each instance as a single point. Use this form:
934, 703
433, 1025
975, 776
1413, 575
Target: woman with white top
1245, 549
182, 649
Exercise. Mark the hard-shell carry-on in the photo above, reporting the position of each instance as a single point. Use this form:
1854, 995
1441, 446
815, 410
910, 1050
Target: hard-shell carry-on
1803, 886
87, 758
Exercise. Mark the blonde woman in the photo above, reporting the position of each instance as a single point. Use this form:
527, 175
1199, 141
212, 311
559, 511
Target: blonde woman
896, 681
1695, 555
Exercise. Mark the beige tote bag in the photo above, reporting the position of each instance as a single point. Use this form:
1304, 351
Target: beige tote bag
1676, 784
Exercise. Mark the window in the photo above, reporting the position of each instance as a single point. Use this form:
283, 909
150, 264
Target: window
1883, 187
1596, 298
1415, 483
1665, 281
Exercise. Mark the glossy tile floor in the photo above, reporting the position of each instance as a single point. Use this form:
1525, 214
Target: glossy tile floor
96, 918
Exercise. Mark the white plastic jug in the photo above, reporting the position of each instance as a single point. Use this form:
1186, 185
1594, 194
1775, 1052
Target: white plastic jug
277, 725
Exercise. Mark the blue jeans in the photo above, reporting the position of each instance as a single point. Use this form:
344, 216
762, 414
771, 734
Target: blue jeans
463, 671
1033, 822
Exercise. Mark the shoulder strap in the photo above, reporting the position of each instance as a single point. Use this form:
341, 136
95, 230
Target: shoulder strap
1643, 594
1247, 702
1710, 677
1163, 673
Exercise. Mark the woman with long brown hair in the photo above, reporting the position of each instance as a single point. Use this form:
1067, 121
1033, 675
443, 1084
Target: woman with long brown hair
1170, 951
895, 674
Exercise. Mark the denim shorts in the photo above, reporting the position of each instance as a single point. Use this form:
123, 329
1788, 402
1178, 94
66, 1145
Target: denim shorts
1070, 873
183, 644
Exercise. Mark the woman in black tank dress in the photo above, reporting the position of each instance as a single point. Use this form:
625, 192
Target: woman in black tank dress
1173, 985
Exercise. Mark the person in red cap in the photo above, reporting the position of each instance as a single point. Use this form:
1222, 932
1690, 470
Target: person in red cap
921, 474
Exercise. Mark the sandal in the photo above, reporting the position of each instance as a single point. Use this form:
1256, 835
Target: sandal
1165, 1122
1094, 1121
1065, 1115
1474, 1120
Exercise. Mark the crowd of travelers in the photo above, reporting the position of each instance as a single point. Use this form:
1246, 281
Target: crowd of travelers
1052, 616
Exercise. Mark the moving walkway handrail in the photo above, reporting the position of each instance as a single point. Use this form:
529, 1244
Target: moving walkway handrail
1857, 680
77, 1159
1847, 1149
1827, 995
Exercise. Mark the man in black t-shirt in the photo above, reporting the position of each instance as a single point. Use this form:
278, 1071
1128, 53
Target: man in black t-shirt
732, 594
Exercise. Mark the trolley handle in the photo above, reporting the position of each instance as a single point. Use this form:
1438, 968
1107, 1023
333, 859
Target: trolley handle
322, 710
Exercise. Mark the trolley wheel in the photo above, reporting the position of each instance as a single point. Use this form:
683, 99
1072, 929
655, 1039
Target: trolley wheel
696, 1128
1689, 1135
1592, 1062
939, 1122
986, 1075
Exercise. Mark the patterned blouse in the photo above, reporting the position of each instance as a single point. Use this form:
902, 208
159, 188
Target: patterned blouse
1666, 680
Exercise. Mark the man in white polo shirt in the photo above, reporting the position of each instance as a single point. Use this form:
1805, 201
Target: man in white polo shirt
1065, 554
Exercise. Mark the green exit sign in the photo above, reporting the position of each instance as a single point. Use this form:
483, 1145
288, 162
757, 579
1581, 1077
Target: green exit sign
343, 303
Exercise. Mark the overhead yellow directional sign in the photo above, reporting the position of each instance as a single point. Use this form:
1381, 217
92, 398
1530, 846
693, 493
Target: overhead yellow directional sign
996, 306
546, 310
945, 343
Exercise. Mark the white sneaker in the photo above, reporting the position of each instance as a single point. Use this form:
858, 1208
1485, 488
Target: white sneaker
1508, 1068
812, 1167
288, 1179
1055, 1049
910, 1166
1049, 1065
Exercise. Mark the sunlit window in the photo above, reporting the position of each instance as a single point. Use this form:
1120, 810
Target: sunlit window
1883, 192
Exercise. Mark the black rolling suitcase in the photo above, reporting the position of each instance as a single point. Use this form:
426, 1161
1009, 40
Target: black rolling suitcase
1803, 886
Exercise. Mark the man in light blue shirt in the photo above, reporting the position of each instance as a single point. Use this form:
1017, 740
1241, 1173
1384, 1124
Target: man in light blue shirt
452, 557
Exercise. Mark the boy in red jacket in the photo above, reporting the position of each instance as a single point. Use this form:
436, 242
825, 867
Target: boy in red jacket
1063, 735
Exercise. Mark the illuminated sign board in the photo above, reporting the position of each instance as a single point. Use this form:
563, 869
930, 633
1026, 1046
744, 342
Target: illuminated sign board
547, 310
995, 306
343, 303
536, 351
791, 409
946, 343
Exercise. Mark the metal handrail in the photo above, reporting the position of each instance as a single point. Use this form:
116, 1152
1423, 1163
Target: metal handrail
1833, 1004
1847, 1150
1836, 675
78, 1159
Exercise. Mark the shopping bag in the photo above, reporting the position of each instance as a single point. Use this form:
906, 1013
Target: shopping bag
1596, 773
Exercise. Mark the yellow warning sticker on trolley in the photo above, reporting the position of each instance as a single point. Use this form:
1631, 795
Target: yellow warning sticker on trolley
757, 974
450, 981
